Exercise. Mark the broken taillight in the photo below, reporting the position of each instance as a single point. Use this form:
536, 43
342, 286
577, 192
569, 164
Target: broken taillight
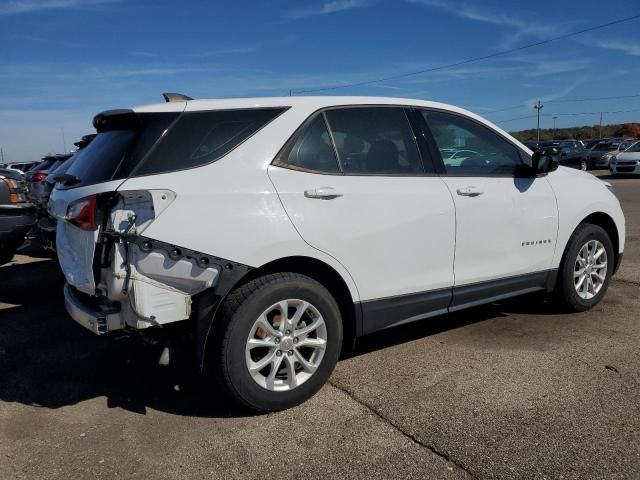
82, 213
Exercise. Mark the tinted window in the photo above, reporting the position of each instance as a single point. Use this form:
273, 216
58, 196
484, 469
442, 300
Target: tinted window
634, 148
115, 152
603, 147
312, 149
199, 138
374, 140
469, 148
42, 166
98, 162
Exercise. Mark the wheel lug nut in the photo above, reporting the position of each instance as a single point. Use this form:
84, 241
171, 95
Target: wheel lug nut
277, 340
288, 332
279, 353
290, 352
295, 340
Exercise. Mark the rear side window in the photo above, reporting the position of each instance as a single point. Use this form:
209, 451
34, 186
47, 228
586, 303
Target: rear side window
312, 149
374, 140
199, 138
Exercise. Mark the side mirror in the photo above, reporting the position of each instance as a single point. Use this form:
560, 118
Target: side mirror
544, 161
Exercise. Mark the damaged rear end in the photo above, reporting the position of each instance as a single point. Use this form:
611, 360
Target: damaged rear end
116, 277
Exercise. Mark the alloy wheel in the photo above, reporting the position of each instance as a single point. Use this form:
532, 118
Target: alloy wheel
286, 345
590, 269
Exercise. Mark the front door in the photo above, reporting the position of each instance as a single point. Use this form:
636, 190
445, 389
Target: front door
506, 222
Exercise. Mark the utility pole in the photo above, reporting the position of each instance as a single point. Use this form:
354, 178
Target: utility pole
64, 144
538, 106
554, 124
1, 156
600, 124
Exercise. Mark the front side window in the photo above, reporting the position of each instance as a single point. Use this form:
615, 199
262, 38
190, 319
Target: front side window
469, 148
374, 140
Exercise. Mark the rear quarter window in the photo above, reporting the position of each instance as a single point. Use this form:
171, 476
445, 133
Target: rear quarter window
199, 138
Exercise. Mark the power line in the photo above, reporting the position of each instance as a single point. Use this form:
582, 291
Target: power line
565, 114
474, 59
568, 100
514, 119
598, 113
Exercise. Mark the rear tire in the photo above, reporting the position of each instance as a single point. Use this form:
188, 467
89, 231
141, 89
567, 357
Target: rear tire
583, 165
298, 351
585, 270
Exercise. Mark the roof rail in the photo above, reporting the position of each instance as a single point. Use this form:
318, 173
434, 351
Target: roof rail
176, 97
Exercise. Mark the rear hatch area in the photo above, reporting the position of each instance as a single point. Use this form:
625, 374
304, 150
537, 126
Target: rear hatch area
108, 264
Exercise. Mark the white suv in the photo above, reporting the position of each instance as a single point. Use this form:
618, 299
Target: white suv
275, 229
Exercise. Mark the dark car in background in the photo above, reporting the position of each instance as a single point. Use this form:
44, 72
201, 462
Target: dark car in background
17, 214
49, 163
41, 191
570, 153
532, 145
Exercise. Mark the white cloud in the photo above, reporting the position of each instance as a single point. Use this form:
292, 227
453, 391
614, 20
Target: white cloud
556, 95
327, 8
626, 47
524, 27
14, 7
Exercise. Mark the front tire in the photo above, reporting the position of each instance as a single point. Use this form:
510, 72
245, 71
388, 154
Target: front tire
583, 165
277, 340
586, 268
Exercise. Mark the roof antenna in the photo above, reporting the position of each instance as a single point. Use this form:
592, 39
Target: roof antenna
175, 97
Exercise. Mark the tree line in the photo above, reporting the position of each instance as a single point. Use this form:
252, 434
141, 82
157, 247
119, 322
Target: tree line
585, 132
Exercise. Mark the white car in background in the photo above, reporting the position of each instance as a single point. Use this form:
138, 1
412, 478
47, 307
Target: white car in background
275, 229
627, 162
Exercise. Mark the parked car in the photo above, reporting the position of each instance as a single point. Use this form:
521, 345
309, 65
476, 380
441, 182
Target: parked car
532, 145
17, 215
570, 153
617, 148
627, 162
41, 191
589, 144
21, 167
38, 173
276, 229
595, 154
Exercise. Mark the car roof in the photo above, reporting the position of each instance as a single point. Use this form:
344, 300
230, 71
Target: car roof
310, 104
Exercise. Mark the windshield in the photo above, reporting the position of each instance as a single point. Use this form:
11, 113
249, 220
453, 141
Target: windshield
634, 148
603, 147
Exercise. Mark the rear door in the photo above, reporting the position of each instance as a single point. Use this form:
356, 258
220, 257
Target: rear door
355, 187
506, 220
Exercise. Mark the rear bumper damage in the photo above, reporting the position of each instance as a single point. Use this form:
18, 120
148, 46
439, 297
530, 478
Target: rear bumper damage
97, 320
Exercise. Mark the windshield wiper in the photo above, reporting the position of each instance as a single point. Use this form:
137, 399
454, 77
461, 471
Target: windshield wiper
66, 179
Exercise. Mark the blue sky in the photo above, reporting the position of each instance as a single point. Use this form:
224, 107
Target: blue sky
62, 61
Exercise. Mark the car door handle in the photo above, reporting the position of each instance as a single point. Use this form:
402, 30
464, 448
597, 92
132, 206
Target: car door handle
323, 193
469, 192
